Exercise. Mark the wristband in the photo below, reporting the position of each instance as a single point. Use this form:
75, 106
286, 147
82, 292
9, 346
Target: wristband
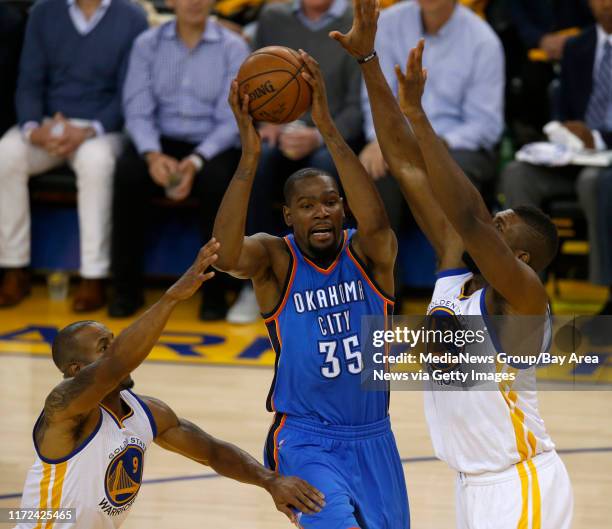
197, 160
367, 58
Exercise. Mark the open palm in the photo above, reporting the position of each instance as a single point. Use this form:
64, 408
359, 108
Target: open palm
359, 41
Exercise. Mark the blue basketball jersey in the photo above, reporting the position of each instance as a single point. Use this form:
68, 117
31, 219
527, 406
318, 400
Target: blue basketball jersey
316, 333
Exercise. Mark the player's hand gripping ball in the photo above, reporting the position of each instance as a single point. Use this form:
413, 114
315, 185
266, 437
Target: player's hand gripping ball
272, 79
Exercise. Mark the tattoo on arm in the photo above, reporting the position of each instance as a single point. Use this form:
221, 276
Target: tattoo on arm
64, 393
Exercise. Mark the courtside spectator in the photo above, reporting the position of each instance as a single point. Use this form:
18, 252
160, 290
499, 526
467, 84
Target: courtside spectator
69, 111
585, 109
183, 140
465, 87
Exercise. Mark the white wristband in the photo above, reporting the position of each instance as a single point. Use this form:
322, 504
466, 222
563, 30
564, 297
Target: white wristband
197, 161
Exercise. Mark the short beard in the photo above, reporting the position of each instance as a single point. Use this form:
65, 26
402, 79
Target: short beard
126, 384
470, 263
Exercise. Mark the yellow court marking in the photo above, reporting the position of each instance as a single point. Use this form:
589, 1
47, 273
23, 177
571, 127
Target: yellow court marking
29, 330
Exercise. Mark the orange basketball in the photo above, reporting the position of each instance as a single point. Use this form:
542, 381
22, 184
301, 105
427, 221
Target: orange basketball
272, 78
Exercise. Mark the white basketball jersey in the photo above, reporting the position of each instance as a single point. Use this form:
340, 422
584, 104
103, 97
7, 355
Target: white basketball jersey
101, 478
476, 430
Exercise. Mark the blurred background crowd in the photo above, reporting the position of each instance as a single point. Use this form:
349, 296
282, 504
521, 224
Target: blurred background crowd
123, 105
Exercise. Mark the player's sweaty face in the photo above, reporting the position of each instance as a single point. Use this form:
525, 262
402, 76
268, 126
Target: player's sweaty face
317, 214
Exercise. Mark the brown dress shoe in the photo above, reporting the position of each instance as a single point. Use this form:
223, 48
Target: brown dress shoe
14, 287
90, 296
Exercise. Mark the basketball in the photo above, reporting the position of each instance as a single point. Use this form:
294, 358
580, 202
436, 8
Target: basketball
272, 78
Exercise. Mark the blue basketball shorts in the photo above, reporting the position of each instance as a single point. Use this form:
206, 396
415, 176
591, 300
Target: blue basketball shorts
358, 468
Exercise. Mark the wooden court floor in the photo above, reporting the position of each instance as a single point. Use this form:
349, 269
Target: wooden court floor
223, 390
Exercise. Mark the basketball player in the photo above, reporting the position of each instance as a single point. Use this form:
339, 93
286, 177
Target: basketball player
313, 287
509, 474
93, 434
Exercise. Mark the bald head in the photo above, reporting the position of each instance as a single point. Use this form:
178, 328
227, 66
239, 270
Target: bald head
74, 343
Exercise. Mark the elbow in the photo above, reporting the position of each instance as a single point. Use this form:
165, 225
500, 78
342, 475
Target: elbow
224, 265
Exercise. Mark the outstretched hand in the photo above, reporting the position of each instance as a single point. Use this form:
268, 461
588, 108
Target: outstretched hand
192, 279
291, 492
359, 41
313, 76
251, 142
412, 85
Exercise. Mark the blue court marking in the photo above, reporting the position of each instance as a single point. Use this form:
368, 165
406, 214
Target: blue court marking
405, 460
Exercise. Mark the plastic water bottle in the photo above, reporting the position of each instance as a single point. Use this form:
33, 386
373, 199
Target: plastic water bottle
58, 283
173, 183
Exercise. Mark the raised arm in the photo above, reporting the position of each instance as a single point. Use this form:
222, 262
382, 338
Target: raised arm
398, 144
119, 357
243, 257
513, 279
185, 438
375, 236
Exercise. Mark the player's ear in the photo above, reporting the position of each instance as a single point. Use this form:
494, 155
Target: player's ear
287, 216
72, 370
523, 256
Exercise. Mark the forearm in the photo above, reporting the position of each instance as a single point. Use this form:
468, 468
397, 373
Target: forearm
457, 196
29, 107
361, 193
144, 134
189, 440
230, 224
133, 345
396, 140
234, 463
403, 156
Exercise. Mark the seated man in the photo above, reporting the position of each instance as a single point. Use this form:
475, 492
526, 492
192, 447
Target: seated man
184, 140
69, 111
586, 109
465, 93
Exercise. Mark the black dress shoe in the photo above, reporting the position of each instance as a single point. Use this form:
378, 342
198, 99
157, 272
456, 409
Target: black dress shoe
125, 306
213, 310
